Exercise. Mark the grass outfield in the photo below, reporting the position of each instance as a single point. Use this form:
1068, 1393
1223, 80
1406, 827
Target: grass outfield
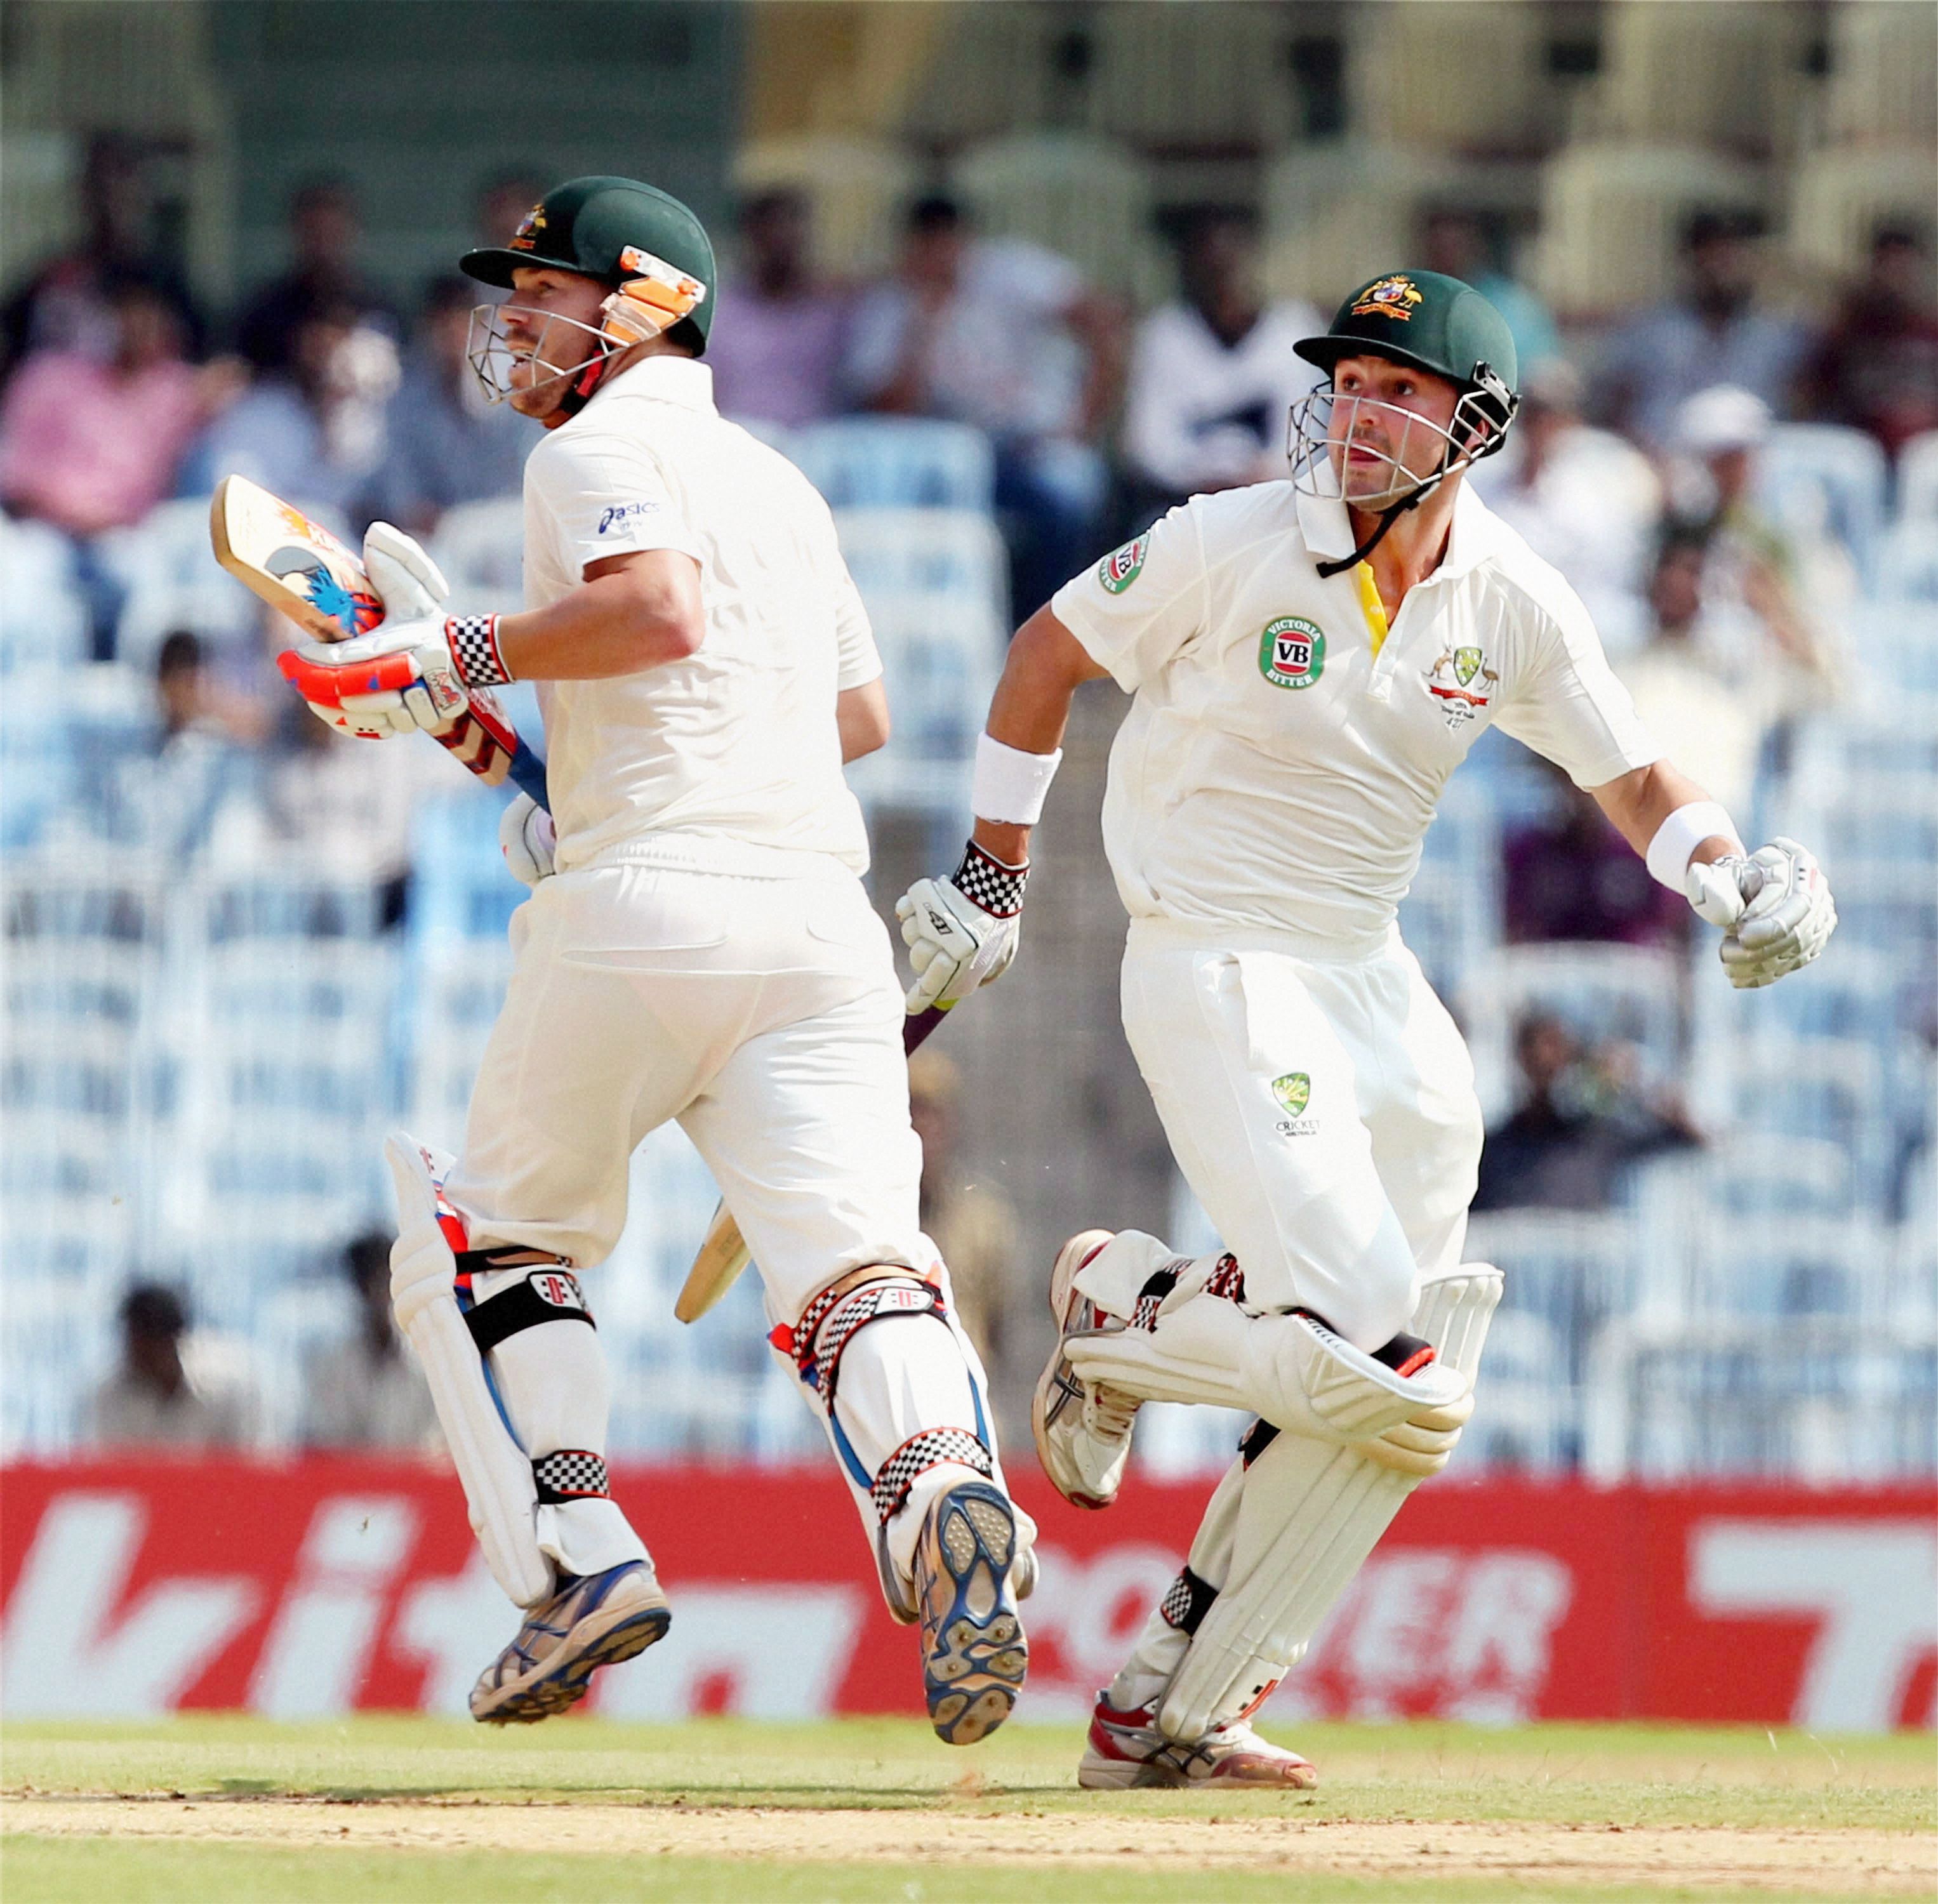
216, 1810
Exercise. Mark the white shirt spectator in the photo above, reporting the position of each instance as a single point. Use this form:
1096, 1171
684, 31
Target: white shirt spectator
1200, 414
220, 1405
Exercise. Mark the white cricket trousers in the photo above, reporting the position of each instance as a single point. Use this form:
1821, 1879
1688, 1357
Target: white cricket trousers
762, 1013
1321, 1109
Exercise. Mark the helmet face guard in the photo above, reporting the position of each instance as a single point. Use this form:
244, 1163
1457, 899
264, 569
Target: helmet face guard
1408, 456
498, 363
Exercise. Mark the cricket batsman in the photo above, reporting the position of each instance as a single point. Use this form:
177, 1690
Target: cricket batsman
698, 946
1310, 660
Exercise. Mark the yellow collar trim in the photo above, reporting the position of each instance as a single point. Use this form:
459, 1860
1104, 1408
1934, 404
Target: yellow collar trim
1369, 601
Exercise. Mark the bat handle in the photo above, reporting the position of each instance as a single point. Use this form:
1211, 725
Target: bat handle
527, 772
917, 1025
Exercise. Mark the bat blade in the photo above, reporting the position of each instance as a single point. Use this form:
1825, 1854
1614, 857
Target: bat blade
723, 1254
295, 565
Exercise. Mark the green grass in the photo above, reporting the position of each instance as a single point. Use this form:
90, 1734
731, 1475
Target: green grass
39, 1871
1594, 1775
1590, 1778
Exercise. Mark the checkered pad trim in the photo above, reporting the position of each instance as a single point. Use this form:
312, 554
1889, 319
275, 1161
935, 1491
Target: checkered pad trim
1187, 1602
1150, 1298
826, 1326
474, 649
1226, 1279
919, 1453
570, 1474
987, 883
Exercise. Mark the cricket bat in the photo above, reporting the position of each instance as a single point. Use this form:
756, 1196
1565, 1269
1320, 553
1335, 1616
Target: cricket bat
723, 1255
304, 572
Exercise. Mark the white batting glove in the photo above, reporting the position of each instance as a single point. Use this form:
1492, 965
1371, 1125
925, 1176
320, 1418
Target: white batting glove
411, 671
1774, 907
961, 932
528, 840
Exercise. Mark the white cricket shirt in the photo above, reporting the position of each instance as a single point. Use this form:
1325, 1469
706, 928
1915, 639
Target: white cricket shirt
726, 757
1273, 774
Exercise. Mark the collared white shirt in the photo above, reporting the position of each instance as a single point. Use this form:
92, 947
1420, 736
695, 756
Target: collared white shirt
1275, 774
732, 754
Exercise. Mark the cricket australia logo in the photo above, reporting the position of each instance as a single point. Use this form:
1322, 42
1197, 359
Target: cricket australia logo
1122, 566
1292, 652
1463, 683
1294, 1093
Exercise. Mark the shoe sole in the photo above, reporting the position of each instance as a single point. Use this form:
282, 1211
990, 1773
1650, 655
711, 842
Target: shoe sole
1096, 1774
557, 1687
1051, 1383
975, 1663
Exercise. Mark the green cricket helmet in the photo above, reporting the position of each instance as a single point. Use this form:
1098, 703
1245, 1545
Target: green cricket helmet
1435, 323
588, 224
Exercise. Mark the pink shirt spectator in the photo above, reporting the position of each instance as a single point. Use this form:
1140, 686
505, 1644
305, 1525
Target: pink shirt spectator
777, 359
87, 448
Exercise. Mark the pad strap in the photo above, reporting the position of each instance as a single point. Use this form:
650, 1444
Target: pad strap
570, 1474
1187, 1602
829, 1321
916, 1456
545, 1295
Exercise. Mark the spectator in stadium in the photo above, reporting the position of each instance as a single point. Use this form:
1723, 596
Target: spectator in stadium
973, 1225
445, 443
1453, 240
1689, 700
776, 351
1213, 374
1582, 1120
1006, 335
1876, 368
1719, 330
1586, 499
170, 1392
365, 1391
1567, 875
313, 432
89, 444
65, 304
205, 751
502, 200
325, 234
1766, 585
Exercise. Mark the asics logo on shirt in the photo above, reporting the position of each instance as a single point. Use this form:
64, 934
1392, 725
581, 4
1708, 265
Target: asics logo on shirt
616, 515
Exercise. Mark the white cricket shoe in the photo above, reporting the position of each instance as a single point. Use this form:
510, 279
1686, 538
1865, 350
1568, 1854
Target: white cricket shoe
1082, 1430
593, 1620
1126, 1750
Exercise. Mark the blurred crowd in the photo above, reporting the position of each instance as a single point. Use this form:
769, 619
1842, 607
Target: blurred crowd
1634, 469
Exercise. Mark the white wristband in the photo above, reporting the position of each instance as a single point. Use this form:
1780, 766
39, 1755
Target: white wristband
1678, 836
1008, 785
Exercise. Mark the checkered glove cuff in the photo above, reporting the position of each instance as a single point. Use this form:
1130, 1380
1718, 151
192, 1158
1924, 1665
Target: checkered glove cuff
986, 882
474, 649
569, 1474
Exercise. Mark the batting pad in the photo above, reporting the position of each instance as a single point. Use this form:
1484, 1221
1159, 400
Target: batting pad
1310, 1512
499, 1489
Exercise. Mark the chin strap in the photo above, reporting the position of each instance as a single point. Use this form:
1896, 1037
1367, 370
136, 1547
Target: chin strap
1388, 517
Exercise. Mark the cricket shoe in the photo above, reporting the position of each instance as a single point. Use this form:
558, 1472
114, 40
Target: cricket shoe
1126, 1750
1082, 1429
593, 1620
974, 1654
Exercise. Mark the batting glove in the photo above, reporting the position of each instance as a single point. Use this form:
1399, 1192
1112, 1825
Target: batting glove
1774, 907
528, 840
961, 932
411, 672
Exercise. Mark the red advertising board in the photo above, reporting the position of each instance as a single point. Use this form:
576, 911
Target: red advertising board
316, 1586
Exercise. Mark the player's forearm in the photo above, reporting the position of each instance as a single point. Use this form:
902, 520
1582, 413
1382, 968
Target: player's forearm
1046, 666
1638, 803
619, 623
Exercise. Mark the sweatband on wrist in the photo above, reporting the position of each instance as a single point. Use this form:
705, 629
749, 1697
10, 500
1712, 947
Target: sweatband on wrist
1008, 785
474, 649
1678, 835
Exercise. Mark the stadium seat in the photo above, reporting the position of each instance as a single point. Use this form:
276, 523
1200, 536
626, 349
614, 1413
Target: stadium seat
1824, 476
898, 462
1573, 1269
1087, 199
42, 618
1884, 80
895, 553
1330, 207
1839, 195
480, 547
173, 581
858, 189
